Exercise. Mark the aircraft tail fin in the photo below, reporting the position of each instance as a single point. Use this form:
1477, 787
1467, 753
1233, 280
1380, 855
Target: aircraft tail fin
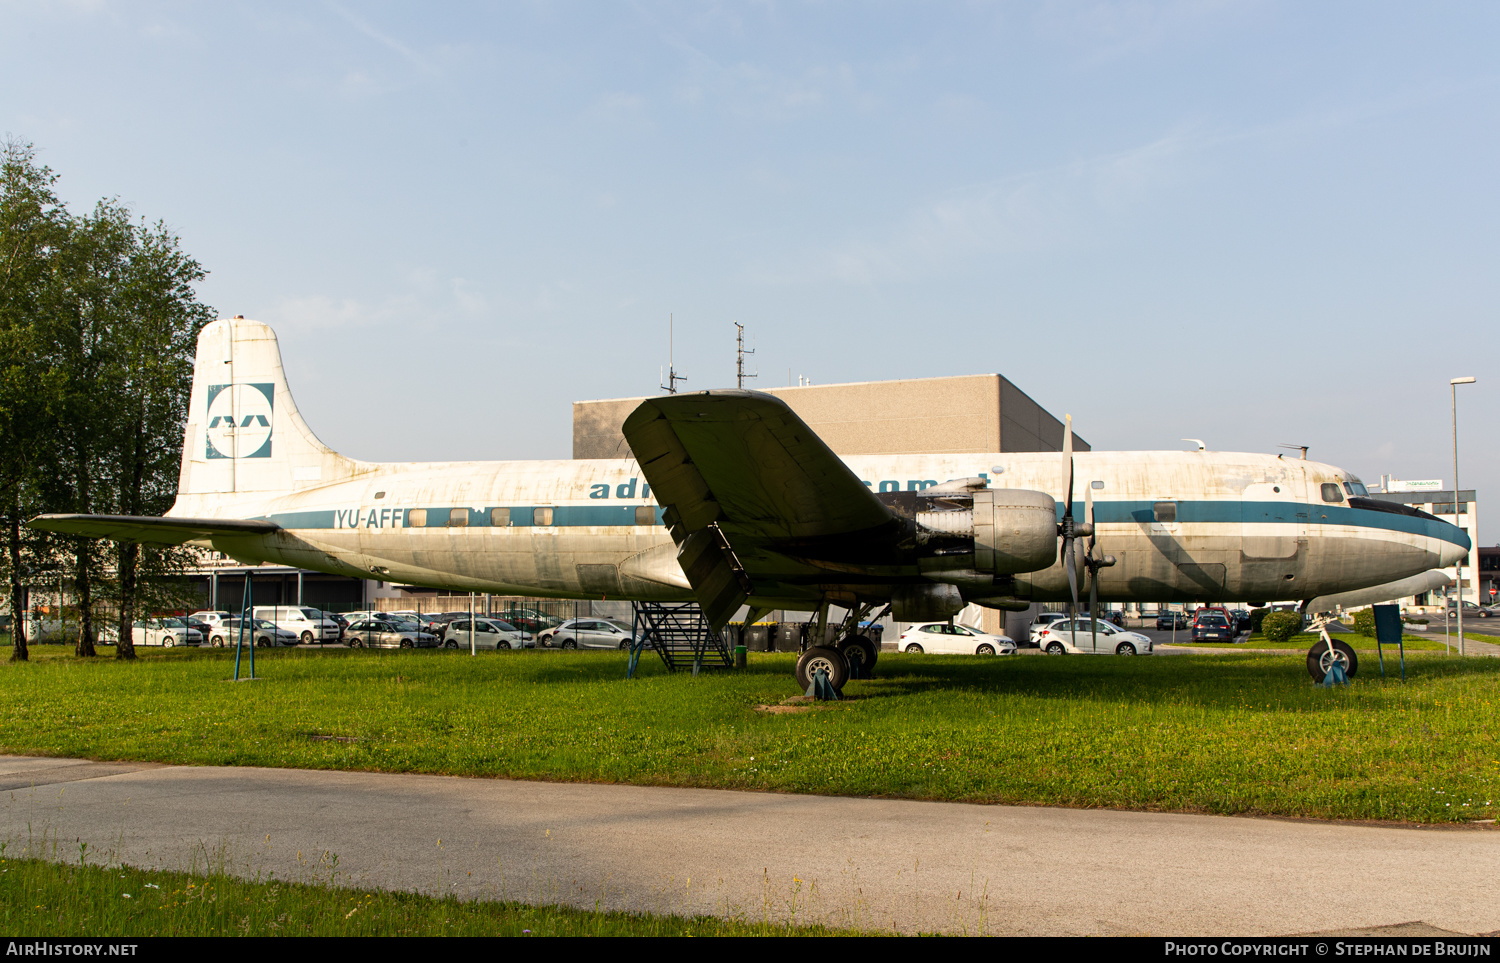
244, 435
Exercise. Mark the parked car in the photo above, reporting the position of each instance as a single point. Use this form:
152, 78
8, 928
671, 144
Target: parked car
165, 632
261, 632
1171, 620
381, 634
308, 623
591, 633
527, 619
1038, 624
1079, 635
488, 634
942, 638
1212, 627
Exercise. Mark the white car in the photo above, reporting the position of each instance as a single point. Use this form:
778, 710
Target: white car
165, 632
592, 633
1078, 635
954, 639
488, 634
1039, 625
309, 624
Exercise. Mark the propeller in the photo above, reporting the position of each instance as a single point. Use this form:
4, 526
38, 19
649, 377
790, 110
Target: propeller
1070, 529
1093, 561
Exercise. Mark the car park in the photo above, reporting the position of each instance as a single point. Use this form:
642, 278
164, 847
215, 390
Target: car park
591, 633
166, 632
261, 632
487, 634
1089, 636
944, 638
528, 619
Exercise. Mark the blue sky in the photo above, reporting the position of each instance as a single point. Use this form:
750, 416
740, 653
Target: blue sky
1247, 222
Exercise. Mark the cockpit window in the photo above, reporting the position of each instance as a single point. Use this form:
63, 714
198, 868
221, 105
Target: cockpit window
1331, 493
1356, 488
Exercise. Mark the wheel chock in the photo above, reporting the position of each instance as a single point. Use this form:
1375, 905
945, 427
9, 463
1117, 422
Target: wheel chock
822, 686
1335, 677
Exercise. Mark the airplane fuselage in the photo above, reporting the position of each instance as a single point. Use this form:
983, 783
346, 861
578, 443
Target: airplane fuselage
1183, 526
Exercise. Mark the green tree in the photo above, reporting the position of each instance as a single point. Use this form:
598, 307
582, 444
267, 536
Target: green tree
33, 228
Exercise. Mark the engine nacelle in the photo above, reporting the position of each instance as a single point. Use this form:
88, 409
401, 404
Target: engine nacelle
932, 602
1015, 531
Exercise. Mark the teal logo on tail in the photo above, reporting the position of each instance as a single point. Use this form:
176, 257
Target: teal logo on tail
239, 421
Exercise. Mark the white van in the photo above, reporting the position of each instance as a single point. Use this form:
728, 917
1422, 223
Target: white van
309, 624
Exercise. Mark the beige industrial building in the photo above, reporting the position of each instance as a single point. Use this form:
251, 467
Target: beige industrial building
968, 413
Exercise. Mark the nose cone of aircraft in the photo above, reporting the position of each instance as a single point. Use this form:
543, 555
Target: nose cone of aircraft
1455, 548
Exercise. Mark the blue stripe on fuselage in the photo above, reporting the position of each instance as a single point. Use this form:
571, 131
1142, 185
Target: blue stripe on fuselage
1225, 511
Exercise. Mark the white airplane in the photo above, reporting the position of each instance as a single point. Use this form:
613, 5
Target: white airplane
732, 500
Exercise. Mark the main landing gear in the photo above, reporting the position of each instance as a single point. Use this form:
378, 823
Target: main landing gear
850, 656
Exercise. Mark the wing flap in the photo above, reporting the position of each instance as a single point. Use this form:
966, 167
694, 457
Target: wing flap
146, 528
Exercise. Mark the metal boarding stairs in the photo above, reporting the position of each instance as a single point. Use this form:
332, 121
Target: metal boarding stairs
681, 636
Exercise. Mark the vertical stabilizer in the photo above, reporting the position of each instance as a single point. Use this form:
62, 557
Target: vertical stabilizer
244, 435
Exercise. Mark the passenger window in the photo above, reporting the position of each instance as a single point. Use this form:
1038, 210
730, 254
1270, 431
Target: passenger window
500, 517
1331, 493
1165, 512
416, 518
645, 515
541, 516
458, 518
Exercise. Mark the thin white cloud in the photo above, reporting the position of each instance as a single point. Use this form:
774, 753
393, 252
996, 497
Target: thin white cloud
369, 30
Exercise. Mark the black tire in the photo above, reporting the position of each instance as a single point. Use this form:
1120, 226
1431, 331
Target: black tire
502, 644
1319, 662
914, 649
827, 658
625, 646
568, 644
217, 641
451, 644
356, 643
860, 648
263, 642
1125, 648
168, 642
307, 638
1056, 648
985, 649
407, 643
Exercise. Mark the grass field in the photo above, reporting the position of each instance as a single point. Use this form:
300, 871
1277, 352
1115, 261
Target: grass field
45, 899
1230, 734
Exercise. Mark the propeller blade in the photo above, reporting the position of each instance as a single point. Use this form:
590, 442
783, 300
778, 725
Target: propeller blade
1070, 562
1068, 457
1094, 606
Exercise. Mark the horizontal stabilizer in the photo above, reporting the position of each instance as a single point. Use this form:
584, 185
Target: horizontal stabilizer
1429, 581
146, 528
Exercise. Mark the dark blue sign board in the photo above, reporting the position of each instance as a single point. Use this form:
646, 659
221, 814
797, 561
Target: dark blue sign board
1388, 630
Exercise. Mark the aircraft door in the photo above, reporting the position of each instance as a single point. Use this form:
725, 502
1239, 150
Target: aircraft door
1273, 520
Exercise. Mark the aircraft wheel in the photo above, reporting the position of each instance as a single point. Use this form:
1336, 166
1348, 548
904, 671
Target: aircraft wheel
826, 658
1319, 661
1125, 648
857, 647
1056, 648
985, 649
914, 649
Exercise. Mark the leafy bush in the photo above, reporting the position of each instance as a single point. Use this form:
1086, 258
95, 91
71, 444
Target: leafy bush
1364, 623
1256, 617
1281, 626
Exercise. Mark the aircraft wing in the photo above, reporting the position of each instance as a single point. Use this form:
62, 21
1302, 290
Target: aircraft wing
146, 528
750, 491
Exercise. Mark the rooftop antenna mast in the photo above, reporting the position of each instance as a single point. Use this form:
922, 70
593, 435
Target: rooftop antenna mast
672, 376
739, 357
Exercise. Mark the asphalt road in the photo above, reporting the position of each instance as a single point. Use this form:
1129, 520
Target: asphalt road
907, 866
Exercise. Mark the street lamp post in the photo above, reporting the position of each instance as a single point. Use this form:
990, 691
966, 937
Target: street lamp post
1453, 385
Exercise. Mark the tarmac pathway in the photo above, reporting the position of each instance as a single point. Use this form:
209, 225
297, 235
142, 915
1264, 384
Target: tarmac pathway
908, 866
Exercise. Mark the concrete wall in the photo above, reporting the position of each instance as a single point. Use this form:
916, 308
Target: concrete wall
969, 413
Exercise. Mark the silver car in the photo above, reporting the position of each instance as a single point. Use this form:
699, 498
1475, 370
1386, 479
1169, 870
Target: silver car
488, 634
592, 633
